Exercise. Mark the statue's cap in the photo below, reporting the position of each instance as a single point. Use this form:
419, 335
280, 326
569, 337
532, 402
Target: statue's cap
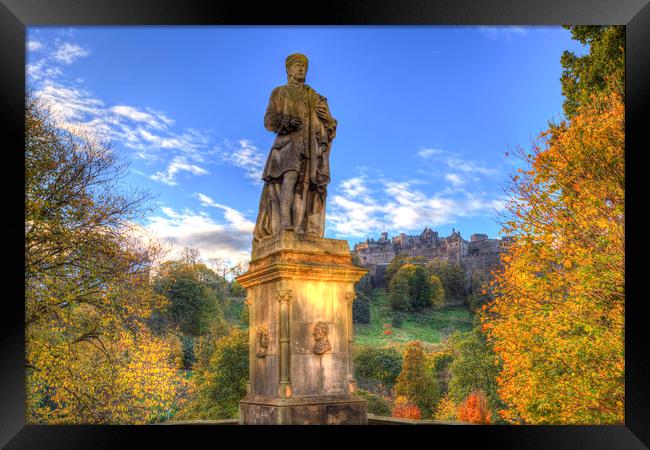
295, 57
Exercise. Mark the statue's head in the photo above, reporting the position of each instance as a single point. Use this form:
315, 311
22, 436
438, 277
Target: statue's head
296, 65
320, 331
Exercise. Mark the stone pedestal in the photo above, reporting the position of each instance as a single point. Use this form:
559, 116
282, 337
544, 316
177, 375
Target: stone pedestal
300, 294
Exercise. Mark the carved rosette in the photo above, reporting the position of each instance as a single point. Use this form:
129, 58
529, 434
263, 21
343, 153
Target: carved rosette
283, 295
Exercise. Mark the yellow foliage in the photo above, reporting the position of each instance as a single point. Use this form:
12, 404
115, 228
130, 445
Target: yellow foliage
557, 322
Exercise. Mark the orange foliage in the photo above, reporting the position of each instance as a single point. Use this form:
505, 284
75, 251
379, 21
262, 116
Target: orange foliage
475, 409
405, 410
557, 321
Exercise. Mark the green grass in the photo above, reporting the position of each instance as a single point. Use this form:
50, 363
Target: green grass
430, 326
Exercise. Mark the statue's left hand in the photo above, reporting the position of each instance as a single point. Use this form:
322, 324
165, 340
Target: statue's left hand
321, 111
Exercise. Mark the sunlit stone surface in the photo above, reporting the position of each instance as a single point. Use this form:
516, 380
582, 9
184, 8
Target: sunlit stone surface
293, 283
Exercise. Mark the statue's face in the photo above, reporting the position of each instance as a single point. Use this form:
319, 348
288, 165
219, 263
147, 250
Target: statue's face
320, 331
298, 71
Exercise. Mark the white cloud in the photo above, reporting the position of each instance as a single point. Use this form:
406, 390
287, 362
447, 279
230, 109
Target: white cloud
360, 207
178, 164
145, 130
235, 218
354, 186
68, 53
507, 33
213, 239
246, 156
33, 45
469, 166
428, 152
454, 179
153, 119
70, 106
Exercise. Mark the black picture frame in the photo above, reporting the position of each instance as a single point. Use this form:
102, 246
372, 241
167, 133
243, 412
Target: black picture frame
16, 15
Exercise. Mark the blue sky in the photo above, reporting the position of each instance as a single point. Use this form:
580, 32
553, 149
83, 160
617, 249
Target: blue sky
425, 117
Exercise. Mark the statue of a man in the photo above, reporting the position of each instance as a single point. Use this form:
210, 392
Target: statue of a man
297, 169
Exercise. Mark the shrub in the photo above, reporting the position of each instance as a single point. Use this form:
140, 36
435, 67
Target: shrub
415, 382
396, 320
361, 309
376, 404
440, 363
377, 369
404, 409
220, 384
475, 409
447, 410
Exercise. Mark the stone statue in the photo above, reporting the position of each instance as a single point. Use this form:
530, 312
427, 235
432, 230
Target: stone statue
321, 330
297, 169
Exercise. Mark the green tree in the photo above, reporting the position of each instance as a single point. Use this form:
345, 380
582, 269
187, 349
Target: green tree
410, 289
361, 305
474, 367
377, 404
453, 279
420, 288
193, 293
377, 369
480, 291
220, 380
415, 382
437, 292
399, 289
601, 70
400, 260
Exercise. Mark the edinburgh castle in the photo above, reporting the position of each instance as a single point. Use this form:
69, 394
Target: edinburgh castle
478, 254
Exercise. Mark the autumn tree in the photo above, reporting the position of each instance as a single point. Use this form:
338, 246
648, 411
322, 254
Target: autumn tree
90, 355
416, 382
557, 322
219, 381
475, 409
474, 367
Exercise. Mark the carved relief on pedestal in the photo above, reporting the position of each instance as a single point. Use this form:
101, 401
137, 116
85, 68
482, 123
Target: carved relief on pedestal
262, 341
321, 330
283, 295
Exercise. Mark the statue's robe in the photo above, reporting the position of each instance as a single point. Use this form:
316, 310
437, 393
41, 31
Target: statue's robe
304, 149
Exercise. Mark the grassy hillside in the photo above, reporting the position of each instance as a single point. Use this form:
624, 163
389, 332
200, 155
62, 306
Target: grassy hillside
429, 326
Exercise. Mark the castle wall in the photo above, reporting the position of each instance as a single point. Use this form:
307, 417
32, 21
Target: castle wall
479, 254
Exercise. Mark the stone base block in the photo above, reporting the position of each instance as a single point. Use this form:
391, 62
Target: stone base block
349, 411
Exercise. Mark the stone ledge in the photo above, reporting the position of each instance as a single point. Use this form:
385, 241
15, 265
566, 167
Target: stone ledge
288, 240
